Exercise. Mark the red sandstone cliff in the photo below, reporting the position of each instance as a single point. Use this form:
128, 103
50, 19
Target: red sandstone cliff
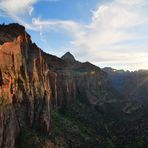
33, 82
30, 81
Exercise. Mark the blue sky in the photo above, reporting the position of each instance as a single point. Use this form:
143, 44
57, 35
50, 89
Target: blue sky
104, 32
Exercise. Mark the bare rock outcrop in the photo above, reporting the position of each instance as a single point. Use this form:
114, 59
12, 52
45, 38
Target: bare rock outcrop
33, 82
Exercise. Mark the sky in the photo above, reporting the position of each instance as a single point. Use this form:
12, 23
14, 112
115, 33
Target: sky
108, 33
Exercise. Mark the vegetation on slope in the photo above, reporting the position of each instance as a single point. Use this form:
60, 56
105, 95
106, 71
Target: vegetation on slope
82, 125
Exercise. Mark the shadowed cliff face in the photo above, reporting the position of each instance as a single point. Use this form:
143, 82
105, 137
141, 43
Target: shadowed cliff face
32, 82
91, 82
68, 57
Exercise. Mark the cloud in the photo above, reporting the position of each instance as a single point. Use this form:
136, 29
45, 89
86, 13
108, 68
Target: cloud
21, 10
117, 33
57, 25
17, 6
31, 9
67, 27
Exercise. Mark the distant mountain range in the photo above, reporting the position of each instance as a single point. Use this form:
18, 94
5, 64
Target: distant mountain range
132, 85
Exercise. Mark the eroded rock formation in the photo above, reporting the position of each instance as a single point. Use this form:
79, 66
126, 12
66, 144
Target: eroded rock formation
33, 82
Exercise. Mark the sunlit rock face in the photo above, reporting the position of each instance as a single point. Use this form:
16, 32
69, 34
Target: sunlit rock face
24, 84
32, 83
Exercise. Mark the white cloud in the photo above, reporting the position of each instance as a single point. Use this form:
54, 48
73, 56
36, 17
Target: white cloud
131, 2
16, 6
117, 33
31, 9
55, 24
109, 37
69, 27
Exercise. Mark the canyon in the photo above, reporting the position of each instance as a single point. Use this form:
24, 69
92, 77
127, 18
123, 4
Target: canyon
47, 96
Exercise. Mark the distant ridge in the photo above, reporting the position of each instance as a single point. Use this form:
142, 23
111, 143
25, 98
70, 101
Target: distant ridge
68, 57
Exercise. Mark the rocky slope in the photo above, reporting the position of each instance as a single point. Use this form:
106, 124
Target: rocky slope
32, 83
51, 102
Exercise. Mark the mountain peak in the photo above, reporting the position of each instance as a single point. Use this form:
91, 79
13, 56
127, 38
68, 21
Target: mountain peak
68, 57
